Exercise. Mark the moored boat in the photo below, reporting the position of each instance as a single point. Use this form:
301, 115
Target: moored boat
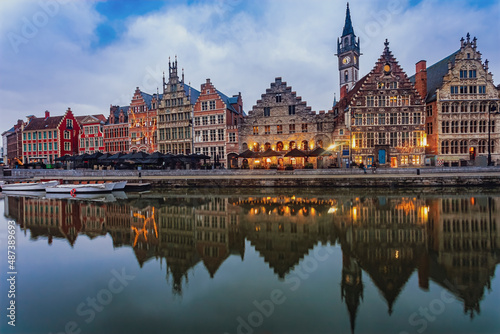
120, 185
29, 186
74, 189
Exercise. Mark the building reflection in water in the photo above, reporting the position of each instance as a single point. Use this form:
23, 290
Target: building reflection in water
453, 240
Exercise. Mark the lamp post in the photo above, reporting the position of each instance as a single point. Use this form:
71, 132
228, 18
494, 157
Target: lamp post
492, 110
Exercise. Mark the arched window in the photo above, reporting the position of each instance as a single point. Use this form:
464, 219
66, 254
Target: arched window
445, 147
482, 146
292, 145
454, 146
267, 146
463, 146
256, 147
279, 146
304, 145
346, 76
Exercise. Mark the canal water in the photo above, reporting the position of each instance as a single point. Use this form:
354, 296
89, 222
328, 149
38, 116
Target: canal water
254, 261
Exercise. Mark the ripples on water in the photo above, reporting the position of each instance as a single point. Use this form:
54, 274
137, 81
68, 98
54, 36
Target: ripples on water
263, 261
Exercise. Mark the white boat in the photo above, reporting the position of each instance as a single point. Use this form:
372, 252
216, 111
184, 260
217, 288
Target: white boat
75, 189
29, 186
120, 185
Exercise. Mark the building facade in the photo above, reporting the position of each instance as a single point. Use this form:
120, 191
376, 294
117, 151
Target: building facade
13, 144
142, 122
387, 117
461, 100
281, 121
175, 112
45, 139
116, 130
215, 128
91, 136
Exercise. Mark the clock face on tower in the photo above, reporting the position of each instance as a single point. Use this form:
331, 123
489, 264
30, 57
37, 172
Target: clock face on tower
346, 60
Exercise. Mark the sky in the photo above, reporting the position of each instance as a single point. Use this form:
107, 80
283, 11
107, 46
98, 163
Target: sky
87, 55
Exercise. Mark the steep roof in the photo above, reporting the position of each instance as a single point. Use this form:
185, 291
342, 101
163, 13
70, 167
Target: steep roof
435, 74
99, 117
227, 101
348, 23
43, 123
193, 97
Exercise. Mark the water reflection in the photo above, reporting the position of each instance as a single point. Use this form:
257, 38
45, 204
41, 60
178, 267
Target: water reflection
451, 240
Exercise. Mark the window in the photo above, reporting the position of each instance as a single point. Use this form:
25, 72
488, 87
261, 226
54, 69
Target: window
463, 147
454, 126
205, 120
255, 130
463, 74
445, 147
472, 73
205, 135
220, 119
67, 135
464, 127
267, 111
291, 110
346, 76
220, 134
267, 130
381, 119
29, 147
393, 119
319, 126
212, 119
197, 121
405, 139
67, 146
69, 123
482, 146
212, 105
405, 118
45, 146
370, 139
393, 101
417, 138
381, 101
278, 98
291, 128
357, 138
429, 128
381, 138
445, 127
213, 136
482, 89
393, 139
463, 89
279, 129
405, 100
232, 137
454, 147
417, 119
204, 105
341, 132
370, 119
304, 127
472, 89
370, 101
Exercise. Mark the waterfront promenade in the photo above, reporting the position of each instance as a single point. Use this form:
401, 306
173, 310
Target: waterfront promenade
404, 177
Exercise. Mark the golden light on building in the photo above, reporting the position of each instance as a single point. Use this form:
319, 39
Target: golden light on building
353, 145
332, 210
354, 213
396, 255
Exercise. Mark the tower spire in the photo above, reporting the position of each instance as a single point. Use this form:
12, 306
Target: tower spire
348, 23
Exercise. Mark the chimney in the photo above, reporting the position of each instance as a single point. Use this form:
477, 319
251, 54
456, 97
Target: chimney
343, 91
47, 114
421, 78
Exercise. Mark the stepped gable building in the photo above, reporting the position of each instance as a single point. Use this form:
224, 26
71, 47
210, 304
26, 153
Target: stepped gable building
282, 121
142, 122
45, 139
459, 94
91, 136
175, 114
116, 130
387, 120
216, 119
348, 52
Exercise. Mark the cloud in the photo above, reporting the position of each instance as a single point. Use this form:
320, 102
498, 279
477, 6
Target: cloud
241, 46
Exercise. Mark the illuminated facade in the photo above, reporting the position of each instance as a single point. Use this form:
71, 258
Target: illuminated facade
281, 121
387, 117
142, 122
175, 112
460, 93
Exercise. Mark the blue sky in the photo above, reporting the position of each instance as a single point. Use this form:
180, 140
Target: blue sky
86, 55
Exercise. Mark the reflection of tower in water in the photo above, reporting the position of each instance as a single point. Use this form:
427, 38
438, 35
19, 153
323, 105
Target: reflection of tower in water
351, 287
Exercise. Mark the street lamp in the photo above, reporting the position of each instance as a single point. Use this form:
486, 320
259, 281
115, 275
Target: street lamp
492, 110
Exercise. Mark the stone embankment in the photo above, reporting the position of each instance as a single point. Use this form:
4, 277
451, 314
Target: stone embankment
393, 178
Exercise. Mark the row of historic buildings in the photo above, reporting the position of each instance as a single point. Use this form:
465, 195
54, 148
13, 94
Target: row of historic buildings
443, 114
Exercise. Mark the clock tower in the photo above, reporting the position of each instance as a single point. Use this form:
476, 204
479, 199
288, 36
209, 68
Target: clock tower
348, 53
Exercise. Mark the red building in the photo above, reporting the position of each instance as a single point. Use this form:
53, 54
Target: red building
116, 134
45, 139
91, 136
216, 118
13, 143
142, 122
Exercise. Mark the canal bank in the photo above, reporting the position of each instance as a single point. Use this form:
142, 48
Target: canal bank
386, 178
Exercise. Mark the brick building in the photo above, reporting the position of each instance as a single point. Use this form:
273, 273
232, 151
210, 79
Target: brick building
282, 121
459, 94
216, 119
142, 122
175, 114
45, 139
387, 117
91, 137
13, 144
116, 130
